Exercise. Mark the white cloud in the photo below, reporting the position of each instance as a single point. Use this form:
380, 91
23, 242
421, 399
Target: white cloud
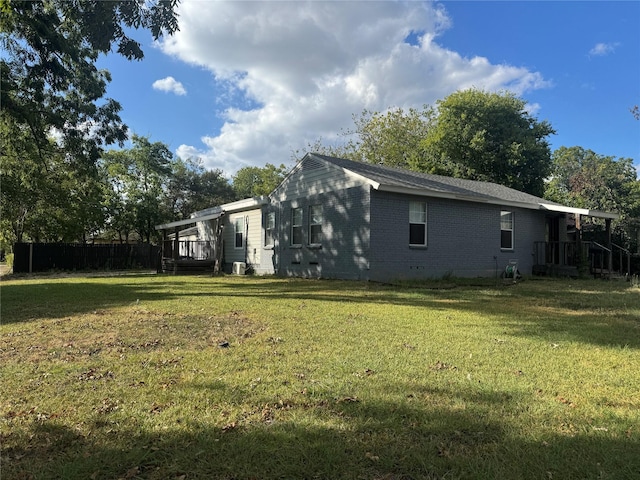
602, 49
169, 85
306, 68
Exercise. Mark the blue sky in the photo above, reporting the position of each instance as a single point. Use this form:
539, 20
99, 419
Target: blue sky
247, 83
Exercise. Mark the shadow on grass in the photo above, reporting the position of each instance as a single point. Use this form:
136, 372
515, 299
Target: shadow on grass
600, 313
339, 439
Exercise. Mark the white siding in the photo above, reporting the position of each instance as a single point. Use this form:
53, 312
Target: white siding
252, 234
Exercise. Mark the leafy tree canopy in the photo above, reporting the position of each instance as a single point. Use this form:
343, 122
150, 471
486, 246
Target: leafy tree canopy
49, 79
583, 178
257, 181
471, 134
392, 138
488, 136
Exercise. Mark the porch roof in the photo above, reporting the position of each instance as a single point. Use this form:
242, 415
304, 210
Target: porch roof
215, 212
189, 221
579, 211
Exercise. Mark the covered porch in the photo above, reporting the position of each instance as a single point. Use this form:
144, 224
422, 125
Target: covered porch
183, 250
567, 253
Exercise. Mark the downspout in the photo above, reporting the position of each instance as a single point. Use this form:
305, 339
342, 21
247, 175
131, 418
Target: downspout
609, 244
278, 239
246, 239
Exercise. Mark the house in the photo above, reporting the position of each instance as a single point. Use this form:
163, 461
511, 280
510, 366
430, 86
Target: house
336, 218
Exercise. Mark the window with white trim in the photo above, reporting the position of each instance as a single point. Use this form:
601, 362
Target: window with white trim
417, 224
506, 230
238, 228
315, 224
296, 226
269, 228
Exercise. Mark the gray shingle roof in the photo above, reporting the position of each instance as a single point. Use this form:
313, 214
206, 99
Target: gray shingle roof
389, 177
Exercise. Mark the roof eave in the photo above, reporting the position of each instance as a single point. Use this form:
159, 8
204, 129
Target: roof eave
454, 196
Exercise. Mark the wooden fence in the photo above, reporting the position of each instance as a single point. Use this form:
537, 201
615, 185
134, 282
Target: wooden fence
42, 257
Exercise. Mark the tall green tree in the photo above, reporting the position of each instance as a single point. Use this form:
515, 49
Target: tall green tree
49, 80
45, 201
141, 174
192, 188
256, 181
488, 136
393, 138
583, 178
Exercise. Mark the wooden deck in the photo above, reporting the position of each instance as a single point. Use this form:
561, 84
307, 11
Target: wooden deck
187, 265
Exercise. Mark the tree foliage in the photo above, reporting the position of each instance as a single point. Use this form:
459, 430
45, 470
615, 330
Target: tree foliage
49, 79
139, 175
488, 136
191, 188
45, 201
585, 179
471, 134
392, 138
257, 181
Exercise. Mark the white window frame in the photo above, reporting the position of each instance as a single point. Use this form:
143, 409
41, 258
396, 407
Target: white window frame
238, 223
315, 220
418, 217
299, 225
507, 224
269, 229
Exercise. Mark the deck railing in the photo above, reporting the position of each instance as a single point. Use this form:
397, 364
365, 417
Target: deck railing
560, 253
600, 259
189, 249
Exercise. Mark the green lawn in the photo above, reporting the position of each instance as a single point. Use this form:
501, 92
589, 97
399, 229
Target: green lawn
162, 377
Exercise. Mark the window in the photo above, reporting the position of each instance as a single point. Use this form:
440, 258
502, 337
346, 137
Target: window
506, 230
239, 232
269, 228
296, 226
315, 224
418, 224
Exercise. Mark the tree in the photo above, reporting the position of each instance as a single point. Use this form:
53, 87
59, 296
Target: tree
392, 138
140, 175
585, 179
50, 201
49, 80
192, 188
147, 186
256, 181
488, 136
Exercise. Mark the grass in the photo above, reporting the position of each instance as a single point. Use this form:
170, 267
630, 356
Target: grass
161, 377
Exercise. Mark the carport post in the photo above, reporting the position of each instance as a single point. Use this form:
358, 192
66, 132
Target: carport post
176, 246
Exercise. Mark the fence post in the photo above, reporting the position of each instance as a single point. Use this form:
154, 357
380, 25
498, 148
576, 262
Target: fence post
31, 257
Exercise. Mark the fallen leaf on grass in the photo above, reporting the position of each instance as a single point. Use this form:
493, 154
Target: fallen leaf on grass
566, 402
132, 472
93, 374
442, 366
158, 407
229, 427
353, 399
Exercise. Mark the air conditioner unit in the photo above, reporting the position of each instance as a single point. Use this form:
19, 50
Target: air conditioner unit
239, 268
